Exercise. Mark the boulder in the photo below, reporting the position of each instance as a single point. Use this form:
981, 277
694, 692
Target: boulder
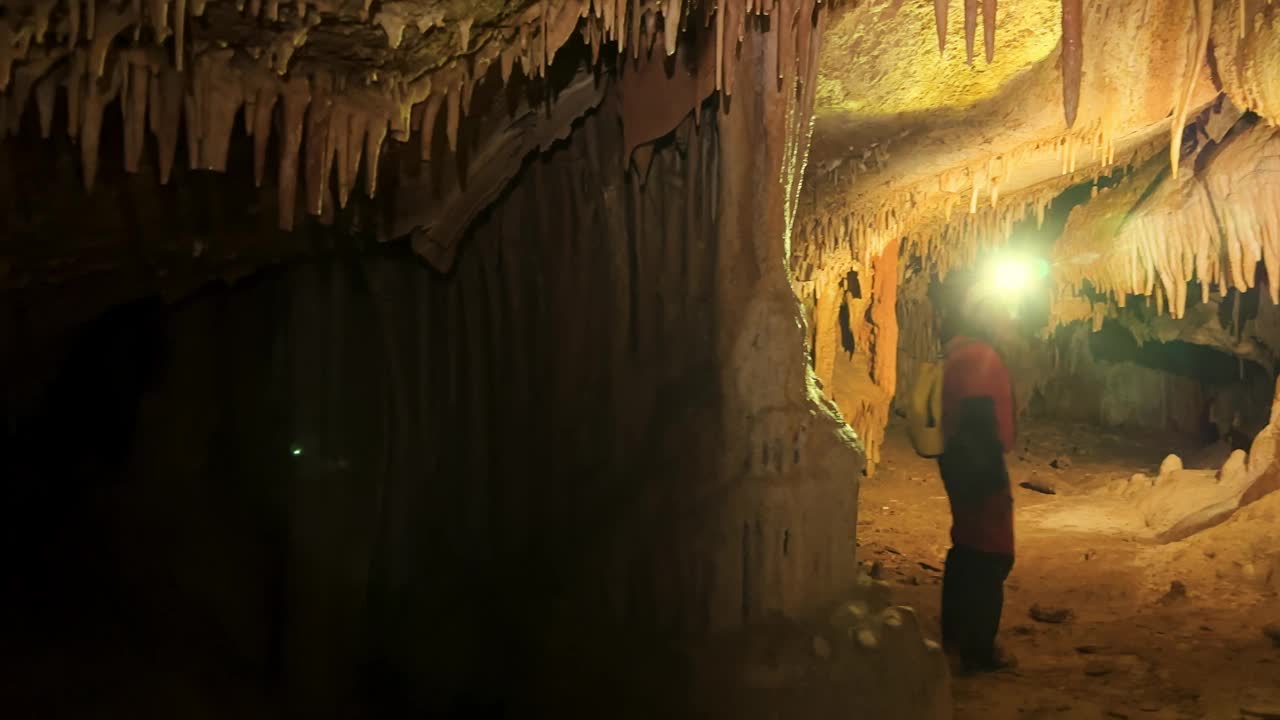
1181, 502
1263, 470
1184, 502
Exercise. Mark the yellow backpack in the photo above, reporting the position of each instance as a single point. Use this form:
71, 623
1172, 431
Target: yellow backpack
924, 411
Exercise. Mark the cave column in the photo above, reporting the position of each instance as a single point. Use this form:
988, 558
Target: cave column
793, 516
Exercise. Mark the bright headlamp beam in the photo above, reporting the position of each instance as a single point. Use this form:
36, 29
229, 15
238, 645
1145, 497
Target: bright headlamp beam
1010, 275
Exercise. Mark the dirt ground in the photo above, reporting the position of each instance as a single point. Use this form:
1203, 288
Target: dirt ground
1132, 648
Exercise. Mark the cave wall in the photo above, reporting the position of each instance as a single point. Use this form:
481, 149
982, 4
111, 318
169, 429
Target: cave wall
1116, 394
1191, 377
851, 309
593, 435
1123, 376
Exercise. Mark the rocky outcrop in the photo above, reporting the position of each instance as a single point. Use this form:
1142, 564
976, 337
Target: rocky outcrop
1178, 502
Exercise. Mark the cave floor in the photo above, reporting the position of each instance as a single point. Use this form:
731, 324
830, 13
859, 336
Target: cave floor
1132, 648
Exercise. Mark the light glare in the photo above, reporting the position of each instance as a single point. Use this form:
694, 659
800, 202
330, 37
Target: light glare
1011, 275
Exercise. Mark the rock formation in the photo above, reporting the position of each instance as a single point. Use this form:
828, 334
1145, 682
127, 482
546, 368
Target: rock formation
593, 310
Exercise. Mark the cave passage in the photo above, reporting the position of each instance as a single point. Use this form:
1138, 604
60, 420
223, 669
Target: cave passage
515, 359
1143, 481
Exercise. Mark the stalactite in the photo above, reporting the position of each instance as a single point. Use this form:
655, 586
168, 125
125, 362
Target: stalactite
46, 96
452, 117
263, 112
1203, 30
940, 8
1243, 54
989, 27
297, 97
1072, 57
135, 116
100, 91
179, 31
165, 108
316, 165
1215, 230
970, 27
195, 91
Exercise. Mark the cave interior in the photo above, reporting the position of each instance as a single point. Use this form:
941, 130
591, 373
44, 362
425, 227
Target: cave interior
511, 358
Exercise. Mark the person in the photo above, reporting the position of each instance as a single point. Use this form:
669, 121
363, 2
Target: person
978, 429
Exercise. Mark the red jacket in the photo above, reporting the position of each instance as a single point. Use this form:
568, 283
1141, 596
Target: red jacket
974, 369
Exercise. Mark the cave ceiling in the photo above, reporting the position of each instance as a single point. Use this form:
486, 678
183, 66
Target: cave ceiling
929, 116
909, 139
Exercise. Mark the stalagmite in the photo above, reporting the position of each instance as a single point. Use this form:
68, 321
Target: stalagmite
1072, 57
940, 20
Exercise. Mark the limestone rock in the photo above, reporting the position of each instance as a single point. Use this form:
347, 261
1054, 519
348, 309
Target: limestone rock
1170, 464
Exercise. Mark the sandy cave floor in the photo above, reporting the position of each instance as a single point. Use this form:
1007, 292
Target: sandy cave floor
1131, 649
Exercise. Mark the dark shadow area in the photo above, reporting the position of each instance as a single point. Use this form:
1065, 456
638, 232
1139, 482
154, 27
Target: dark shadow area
351, 486
846, 330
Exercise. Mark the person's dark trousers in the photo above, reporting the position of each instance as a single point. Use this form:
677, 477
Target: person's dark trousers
972, 601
